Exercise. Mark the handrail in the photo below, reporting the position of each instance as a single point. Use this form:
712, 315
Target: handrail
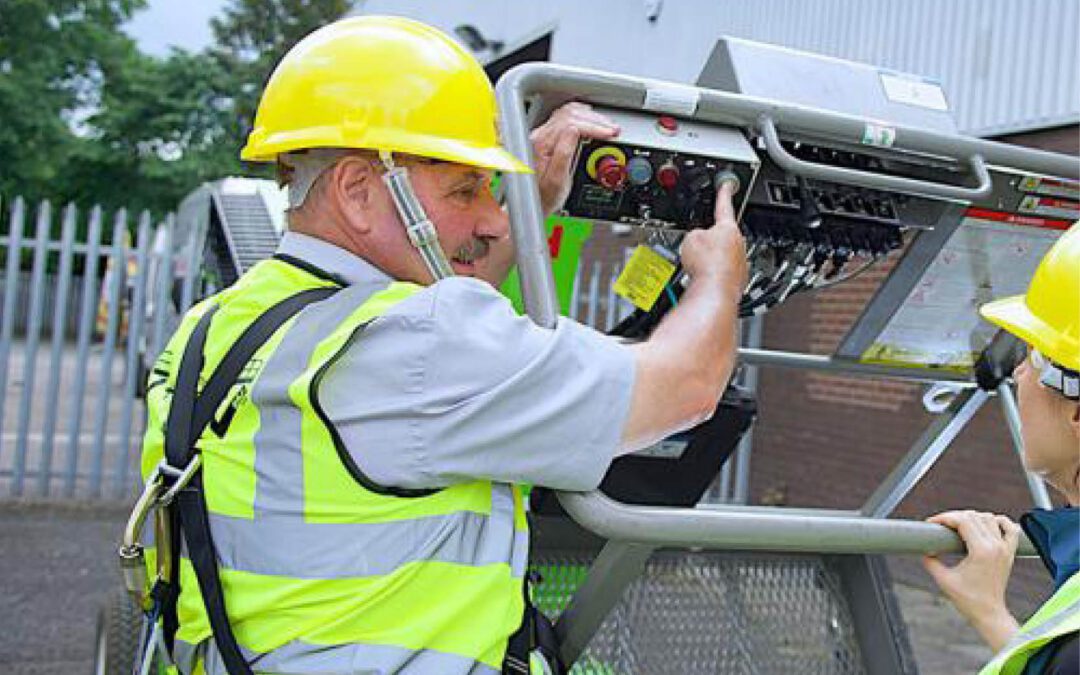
781, 359
874, 181
730, 527
759, 529
560, 83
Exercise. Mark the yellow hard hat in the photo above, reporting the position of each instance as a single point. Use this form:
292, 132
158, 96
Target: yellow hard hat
380, 83
1048, 317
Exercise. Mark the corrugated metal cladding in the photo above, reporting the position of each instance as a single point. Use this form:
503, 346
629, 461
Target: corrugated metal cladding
1006, 65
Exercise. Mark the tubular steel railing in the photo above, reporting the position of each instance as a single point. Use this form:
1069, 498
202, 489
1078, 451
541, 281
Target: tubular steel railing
544, 86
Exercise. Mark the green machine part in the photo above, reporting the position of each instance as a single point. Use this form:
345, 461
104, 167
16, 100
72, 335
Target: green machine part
566, 238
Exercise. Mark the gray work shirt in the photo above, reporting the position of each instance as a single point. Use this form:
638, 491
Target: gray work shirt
452, 384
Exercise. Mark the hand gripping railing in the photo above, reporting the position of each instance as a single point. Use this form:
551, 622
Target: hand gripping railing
760, 528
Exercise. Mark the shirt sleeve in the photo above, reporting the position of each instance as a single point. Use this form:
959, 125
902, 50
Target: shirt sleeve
452, 385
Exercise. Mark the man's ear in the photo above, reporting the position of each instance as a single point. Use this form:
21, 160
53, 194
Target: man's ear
351, 187
1074, 419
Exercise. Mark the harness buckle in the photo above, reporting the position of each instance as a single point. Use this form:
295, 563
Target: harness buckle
180, 477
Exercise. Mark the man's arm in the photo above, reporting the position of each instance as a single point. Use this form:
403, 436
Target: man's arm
685, 364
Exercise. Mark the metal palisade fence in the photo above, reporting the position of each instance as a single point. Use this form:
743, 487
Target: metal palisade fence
88, 300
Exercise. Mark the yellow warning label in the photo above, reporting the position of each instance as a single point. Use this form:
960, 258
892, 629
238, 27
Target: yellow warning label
644, 277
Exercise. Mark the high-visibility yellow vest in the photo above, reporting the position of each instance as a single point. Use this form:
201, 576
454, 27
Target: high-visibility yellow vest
323, 570
1059, 616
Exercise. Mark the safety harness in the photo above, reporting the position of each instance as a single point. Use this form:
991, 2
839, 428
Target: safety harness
175, 490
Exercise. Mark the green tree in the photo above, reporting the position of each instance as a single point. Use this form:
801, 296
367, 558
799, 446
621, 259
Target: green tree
252, 36
86, 117
54, 54
160, 131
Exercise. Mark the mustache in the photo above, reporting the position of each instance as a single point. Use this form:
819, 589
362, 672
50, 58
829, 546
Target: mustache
473, 249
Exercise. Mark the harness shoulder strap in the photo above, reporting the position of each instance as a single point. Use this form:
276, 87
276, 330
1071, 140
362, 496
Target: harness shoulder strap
189, 414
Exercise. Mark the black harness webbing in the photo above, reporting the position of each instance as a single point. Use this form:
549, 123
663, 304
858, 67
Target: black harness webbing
189, 414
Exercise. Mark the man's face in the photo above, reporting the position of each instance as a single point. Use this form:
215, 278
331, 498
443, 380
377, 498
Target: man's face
473, 230
1051, 446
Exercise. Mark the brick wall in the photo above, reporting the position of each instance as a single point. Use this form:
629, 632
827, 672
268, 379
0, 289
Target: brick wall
827, 440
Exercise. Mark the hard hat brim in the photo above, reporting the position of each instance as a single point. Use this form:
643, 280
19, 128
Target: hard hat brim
267, 148
1016, 317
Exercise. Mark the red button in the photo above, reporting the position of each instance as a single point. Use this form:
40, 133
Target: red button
668, 176
668, 125
611, 173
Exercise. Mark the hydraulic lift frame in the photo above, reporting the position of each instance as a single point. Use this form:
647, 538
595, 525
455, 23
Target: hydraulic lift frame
633, 533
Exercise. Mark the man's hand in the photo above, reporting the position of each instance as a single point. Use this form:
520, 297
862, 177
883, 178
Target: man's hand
554, 143
717, 254
685, 364
976, 585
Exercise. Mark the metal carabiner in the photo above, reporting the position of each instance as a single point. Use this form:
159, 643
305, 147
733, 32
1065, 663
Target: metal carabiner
132, 560
181, 478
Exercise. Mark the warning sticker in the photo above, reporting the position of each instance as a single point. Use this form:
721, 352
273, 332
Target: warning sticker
1050, 206
1051, 187
991, 255
644, 277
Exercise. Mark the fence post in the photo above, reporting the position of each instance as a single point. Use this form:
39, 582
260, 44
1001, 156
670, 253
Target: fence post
594, 296
136, 319
118, 260
33, 334
196, 243
56, 355
11, 284
87, 319
164, 280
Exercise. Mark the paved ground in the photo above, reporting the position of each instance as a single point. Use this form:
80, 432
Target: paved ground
57, 565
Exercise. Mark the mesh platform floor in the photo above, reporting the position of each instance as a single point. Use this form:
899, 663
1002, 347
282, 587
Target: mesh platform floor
708, 613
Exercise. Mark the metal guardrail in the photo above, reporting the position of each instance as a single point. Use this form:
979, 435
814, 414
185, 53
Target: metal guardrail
759, 528
545, 86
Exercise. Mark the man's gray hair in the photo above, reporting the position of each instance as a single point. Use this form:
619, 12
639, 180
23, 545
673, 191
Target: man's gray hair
301, 169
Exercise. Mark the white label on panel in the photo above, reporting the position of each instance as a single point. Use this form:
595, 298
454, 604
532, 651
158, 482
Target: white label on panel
922, 93
672, 99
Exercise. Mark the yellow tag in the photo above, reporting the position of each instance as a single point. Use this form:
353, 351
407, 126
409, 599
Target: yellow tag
644, 277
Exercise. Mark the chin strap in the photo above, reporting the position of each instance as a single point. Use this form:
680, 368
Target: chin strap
421, 231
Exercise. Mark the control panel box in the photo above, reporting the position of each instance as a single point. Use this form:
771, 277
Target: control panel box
659, 172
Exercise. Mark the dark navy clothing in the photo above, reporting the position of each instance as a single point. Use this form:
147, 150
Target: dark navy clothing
1056, 536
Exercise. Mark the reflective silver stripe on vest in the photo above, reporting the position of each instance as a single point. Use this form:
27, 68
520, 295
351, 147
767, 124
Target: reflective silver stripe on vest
1069, 613
350, 659
287, 547
279, 463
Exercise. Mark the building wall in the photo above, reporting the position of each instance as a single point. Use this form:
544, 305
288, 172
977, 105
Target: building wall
1005, 65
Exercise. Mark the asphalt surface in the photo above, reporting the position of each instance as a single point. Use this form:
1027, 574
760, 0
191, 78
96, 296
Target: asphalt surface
58, 564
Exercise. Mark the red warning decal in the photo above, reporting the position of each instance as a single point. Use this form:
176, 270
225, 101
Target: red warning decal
1014, 219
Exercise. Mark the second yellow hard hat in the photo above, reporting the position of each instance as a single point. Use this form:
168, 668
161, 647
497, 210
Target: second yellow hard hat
1048, 316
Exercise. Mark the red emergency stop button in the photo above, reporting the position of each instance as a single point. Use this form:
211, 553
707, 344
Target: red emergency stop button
611, 172
667, 125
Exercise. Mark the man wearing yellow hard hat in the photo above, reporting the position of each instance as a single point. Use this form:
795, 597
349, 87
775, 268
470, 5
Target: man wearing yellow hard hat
1048, 390
344, 427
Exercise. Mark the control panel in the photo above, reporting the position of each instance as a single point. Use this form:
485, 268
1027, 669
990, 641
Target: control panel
660, 172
